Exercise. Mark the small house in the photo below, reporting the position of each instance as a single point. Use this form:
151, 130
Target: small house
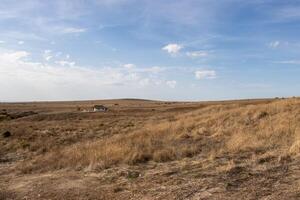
99, 108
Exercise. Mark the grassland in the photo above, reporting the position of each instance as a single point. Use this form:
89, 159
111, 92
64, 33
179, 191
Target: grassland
139, 149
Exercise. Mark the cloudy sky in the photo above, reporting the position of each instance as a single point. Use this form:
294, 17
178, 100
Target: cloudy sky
155, 49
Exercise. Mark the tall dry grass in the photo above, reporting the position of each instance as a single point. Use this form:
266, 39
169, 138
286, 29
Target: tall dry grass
218, 129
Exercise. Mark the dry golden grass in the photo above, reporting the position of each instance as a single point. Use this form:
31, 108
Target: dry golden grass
212, 131
245, 149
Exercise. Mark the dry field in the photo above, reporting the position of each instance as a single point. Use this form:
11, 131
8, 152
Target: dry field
143, 149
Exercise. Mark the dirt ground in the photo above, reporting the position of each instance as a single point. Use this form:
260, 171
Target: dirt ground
37, 129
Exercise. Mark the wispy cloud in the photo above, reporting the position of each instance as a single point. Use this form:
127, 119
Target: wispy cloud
274, 44
175, 12
129, 66
13, 57
73, 30
47, 55
205, 74
291, 62
197, 54
65, 63
59, 78
171, 84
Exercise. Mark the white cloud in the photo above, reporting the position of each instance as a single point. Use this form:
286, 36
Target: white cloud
13, 57
154, 69
133, 67
205, 74
73, 30
47, 55
20, 42
274, 44
65, 63
129, 66
2, 42
133, 77
197, 54
171, 84
172, 48
58, 54
144, 82
22, 79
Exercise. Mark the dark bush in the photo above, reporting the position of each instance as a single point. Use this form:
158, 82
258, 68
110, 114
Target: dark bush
6, 134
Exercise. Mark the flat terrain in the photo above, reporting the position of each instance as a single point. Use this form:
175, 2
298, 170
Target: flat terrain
140, 149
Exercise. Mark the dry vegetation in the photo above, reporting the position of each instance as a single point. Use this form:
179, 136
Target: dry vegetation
210, 150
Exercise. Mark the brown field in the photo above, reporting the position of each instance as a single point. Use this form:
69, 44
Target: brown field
140, 149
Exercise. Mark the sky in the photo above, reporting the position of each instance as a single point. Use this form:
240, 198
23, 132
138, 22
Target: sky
152, 49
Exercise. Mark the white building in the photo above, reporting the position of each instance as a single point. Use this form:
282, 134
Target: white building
99, 108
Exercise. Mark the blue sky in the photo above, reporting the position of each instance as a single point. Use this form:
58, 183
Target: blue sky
168, 50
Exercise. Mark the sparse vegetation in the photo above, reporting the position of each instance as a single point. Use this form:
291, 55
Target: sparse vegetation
226, 139
229, 129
